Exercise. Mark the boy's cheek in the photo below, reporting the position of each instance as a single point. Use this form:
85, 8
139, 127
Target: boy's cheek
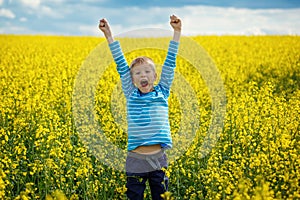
135, 82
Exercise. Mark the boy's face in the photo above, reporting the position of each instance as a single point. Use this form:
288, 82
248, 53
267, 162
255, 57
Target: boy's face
143, 77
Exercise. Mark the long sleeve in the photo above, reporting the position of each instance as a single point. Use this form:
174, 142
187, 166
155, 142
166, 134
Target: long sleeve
122, 68
168, 69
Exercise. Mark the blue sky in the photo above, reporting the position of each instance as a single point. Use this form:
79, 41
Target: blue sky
200, 17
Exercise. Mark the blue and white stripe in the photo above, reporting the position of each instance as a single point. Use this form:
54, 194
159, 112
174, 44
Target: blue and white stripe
147, 114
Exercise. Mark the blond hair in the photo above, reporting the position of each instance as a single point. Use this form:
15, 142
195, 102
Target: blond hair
142, 60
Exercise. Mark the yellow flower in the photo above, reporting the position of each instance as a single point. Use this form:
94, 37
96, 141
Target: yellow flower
167, 195
41, 147
59, 195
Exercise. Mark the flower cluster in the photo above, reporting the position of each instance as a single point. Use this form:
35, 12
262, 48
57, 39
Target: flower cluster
256, 155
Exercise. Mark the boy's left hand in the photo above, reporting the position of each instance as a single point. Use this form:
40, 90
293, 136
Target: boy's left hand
175, 23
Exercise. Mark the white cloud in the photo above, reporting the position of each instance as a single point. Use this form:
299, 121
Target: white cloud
1, 2
89, 30
219, 20
54, 1
30, 3
82, 19
7, 13
253, 31
13, 29
23, 19
93, 1
204, 20
50, 12
40, 11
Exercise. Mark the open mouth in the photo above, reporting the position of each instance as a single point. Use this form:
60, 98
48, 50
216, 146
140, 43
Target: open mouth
144, 83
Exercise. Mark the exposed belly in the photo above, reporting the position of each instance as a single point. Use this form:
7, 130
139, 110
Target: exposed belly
151, 149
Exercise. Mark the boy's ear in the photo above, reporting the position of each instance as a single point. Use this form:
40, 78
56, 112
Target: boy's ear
155, 76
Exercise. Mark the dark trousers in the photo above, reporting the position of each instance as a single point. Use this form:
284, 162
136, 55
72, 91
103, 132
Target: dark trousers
136, 184
142, 168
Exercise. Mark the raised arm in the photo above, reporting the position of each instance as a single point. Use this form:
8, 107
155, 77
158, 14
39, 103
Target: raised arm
167, 74
118, 56
175, 22
105, 28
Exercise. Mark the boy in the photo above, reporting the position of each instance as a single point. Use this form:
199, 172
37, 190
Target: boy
147, 114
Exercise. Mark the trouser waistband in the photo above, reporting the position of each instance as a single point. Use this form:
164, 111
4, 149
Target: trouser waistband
144, 163
146, 156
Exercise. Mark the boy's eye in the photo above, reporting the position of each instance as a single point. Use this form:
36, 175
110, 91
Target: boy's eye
148, 71
137, 73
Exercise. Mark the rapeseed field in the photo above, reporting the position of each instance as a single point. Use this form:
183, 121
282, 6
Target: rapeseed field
255, 155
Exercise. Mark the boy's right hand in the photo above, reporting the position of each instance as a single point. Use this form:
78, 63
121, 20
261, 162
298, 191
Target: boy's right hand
104, 27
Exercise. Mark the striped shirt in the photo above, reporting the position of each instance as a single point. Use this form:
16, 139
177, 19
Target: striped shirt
147, 114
